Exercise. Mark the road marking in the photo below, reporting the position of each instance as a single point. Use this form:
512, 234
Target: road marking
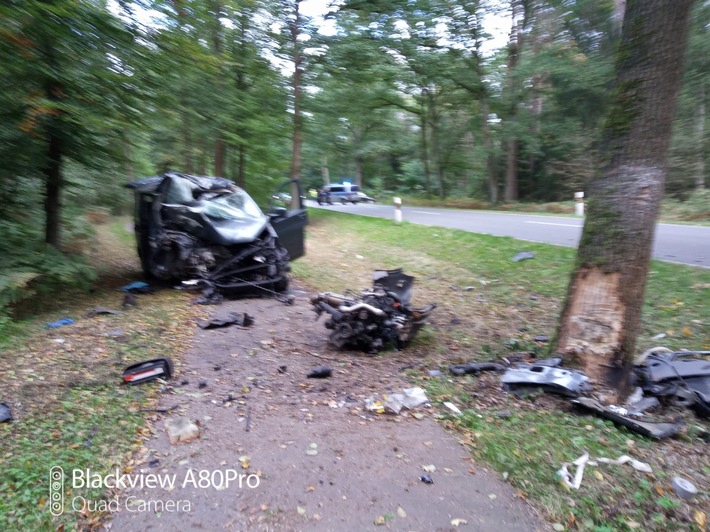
550, 223
426, 212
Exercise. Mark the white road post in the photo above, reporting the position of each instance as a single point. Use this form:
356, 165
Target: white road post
397, 210
579, 205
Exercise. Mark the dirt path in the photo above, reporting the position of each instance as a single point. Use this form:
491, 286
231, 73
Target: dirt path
310, 455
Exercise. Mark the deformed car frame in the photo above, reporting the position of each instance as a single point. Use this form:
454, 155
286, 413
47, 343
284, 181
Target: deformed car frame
206, 228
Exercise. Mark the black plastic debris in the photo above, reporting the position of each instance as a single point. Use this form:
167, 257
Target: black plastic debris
100, 310
475, 368
523, 255
234, 318
157, 368
677, 379
5, 413
322, 372
650, 430
426, 478
376, 317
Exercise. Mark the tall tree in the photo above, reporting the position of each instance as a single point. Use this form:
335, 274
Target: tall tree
601, 317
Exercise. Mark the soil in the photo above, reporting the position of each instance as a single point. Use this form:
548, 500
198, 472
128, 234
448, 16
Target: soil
310, 455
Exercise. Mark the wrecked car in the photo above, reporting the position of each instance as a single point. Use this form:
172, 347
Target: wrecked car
208, 229
377, 316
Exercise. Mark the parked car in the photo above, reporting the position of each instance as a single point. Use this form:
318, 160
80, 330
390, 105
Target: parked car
208, 229
342, 193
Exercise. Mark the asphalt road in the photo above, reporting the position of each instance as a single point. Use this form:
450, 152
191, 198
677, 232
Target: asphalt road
684, 244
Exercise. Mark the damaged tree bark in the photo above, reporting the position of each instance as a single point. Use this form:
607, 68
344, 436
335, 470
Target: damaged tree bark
601, 318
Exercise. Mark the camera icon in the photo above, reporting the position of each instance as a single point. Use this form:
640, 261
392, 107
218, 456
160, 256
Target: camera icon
56, 490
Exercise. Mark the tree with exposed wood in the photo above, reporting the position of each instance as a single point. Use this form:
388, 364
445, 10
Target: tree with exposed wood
601, 317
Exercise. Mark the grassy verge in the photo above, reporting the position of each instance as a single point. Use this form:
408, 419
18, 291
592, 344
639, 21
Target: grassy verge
64, 387
490, 308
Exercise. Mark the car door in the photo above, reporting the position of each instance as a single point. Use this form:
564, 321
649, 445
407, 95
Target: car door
289, 217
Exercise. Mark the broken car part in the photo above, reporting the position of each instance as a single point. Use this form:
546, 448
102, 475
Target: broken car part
475, 368
5, 413
148, 371
207, 228
683, 381
684, 488
375, 317
650, 430
322, 372
551, 379
234, 318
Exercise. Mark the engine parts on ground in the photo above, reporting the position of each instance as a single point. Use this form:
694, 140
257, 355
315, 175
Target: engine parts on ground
157, 368
375, 317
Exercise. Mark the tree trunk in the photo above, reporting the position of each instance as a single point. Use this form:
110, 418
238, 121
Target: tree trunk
510, 193
700, 132
491, 177
53, 187
220, 148
241, 170
601, 317
295, 30
325, 171
425, 150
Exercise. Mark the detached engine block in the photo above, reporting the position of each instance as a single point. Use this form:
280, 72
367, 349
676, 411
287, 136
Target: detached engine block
375, 317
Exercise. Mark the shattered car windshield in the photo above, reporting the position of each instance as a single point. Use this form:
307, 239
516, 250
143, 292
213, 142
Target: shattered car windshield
232, 206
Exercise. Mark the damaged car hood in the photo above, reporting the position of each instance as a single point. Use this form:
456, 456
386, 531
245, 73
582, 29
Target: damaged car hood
210, 208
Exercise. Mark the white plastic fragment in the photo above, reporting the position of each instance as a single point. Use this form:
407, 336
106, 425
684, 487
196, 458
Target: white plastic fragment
454, 409
584, 460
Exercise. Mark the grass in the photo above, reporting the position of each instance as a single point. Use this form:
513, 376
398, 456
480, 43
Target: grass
490, 308
71, 410
69, 405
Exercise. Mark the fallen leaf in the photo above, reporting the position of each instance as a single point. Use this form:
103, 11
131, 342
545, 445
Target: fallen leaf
300, 510
598, 475
559, 527
401, 512
700, 519
659, 490
633, 524
379, 520
458, 522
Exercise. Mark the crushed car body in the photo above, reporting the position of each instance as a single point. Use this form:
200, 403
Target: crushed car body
207, 228
376, 317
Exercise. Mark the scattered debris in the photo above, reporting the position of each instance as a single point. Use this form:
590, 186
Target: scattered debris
650, 430
60, 323
241, 319
475, 368
584, 460
202, 384
376, 317
5, 413
138, 287
159, 410
551, 379
542, 338
129, 301
454, 409
282, 369
670, 375
410, 398
684, 488
426, 478
148, 371
435, 373
523, 255
458, 522
554, 362
100, 310
321, 372
247, 424
181, 430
